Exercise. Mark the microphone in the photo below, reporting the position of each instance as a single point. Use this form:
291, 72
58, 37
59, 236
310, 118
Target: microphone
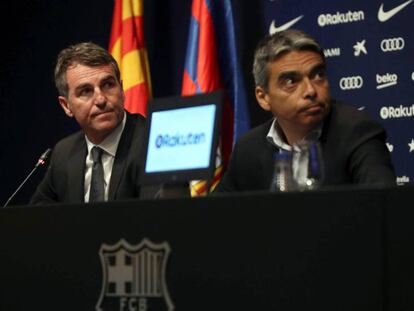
42, 161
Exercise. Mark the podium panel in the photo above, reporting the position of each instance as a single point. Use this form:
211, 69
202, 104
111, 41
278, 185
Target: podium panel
319, 250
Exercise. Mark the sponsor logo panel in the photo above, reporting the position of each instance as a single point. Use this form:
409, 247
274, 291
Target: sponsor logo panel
384, 15
351, 83
386, 80
340, 18
359, 48
332, 52
392, 44
273, 28
384, 68
397, 112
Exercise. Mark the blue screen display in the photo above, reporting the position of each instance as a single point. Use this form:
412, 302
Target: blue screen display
181, 139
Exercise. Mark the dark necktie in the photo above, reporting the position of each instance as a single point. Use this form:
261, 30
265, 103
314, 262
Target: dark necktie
97, 191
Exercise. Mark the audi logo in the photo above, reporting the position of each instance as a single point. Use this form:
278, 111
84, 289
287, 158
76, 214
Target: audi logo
351, 83
392, 44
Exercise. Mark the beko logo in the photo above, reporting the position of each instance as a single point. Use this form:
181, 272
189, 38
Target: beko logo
397, 112
392, 44
389, 79
340, 18
351, 83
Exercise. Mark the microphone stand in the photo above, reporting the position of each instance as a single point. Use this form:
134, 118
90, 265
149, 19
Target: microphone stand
40, 162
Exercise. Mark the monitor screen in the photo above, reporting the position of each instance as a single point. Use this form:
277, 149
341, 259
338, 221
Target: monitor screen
181, 138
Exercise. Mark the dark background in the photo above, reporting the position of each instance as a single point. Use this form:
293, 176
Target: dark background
33, 32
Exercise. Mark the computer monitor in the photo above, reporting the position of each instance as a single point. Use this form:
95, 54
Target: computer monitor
181, 138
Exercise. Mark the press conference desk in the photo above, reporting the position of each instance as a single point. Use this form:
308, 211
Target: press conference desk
346, 249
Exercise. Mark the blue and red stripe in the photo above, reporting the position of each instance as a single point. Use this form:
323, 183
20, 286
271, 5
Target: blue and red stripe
212, 63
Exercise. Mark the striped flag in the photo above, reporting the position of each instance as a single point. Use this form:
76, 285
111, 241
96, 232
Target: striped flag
211, 64
127, 46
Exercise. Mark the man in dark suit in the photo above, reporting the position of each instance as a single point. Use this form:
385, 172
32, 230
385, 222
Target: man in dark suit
102, 161
290, 76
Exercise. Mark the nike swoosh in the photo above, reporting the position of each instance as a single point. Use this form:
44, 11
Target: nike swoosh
384, 16
273, 29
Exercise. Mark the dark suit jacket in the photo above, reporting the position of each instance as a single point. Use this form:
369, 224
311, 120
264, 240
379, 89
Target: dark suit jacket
64, 179
353, 148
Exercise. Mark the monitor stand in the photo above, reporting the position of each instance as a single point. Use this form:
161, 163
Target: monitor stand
174, 190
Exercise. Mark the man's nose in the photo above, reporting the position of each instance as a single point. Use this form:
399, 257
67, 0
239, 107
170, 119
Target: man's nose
309, 88
100, 98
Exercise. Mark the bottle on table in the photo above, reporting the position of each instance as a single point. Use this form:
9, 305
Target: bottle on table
282, 180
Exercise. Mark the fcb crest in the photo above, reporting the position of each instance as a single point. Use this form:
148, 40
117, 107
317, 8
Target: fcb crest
134, 277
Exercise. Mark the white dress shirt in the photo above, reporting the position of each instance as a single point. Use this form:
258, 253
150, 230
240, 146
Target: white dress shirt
109, 146
275, 138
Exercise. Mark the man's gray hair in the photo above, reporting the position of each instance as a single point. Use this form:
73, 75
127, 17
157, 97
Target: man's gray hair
273, 46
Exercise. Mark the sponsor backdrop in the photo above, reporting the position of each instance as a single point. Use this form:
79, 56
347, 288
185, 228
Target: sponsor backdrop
369, 47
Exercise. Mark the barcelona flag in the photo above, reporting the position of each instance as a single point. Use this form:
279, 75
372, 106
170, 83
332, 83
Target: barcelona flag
127, 46
212, 64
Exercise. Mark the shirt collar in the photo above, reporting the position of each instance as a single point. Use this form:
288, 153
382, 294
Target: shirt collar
110, 143
275, 138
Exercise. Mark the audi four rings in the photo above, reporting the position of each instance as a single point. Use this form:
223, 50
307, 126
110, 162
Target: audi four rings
392, 44
351, 83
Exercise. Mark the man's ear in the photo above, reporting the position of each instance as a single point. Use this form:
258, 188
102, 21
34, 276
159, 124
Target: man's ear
63, 101
262, 98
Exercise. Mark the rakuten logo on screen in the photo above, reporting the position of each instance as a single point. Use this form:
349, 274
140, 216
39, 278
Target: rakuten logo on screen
178, 140
181, 139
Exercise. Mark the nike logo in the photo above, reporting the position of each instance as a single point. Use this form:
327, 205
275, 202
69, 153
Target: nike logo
273, 29
384, 16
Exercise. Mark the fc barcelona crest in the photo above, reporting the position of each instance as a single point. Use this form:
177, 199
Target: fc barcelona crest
134, 277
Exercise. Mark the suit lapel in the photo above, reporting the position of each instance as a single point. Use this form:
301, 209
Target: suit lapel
121, 157
265, 156
76, 171
267, 163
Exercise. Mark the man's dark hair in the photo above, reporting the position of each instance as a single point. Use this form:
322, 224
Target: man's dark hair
85, 53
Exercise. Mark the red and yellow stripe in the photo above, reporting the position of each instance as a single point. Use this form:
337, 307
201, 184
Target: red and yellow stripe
127, 46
